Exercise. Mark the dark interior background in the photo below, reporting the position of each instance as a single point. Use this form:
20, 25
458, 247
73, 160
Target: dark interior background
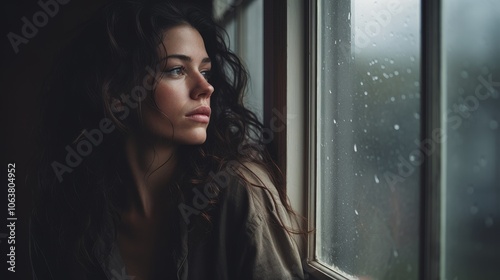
22, 75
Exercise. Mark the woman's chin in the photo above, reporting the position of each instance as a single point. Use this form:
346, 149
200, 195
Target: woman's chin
195, 138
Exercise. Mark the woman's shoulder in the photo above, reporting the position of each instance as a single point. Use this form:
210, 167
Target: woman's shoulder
234, 192
240, 193
247, 192
252, 212
239, 179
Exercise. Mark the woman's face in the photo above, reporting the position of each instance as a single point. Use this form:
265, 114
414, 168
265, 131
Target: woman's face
182, 93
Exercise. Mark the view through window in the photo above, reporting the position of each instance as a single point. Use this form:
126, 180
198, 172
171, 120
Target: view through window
368, 143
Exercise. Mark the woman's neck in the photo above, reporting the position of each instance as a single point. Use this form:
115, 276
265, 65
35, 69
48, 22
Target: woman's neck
152, 166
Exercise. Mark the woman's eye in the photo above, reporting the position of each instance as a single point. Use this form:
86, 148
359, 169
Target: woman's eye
206, 74
175, 72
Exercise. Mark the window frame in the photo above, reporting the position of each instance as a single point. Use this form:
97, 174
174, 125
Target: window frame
431, 106
313, 266
431, 179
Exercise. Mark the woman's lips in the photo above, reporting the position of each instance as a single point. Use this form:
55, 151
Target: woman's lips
200, 114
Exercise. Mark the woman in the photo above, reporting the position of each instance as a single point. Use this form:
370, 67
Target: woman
152, 167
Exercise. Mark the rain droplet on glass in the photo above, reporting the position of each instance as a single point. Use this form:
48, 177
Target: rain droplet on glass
396, 127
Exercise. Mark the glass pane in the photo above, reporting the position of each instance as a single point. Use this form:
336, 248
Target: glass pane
368, 138
471, 189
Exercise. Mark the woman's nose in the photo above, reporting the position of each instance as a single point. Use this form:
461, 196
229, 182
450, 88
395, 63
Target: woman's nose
201, 87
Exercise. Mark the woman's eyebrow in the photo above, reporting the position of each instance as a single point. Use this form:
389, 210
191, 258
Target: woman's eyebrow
187, 58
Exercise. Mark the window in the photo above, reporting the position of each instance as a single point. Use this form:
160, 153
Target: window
368, 111
404, 137
243, 22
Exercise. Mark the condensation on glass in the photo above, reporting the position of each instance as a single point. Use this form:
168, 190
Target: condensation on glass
470, 231
368, 155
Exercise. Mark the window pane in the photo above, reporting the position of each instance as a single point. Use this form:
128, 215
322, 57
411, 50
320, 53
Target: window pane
368, 138
471, 190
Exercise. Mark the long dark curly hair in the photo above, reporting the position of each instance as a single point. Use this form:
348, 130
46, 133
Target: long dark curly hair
81, 140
